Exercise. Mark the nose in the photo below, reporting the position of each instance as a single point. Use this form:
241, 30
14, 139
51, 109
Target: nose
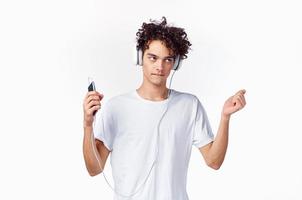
159, 65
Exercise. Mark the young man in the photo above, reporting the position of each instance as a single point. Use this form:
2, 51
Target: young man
137, 128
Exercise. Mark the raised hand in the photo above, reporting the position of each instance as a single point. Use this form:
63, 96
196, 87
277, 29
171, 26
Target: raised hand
234, 103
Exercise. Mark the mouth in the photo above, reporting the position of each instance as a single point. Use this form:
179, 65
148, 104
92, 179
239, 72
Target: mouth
157, 74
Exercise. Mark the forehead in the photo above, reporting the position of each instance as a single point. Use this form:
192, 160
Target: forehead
158, 48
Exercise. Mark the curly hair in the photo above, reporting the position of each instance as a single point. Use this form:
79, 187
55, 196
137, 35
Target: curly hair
174, 38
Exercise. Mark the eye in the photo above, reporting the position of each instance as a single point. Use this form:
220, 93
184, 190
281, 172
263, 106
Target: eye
152, 58
169, 60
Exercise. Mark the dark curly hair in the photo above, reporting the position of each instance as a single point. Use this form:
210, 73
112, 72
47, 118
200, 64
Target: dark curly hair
174, 38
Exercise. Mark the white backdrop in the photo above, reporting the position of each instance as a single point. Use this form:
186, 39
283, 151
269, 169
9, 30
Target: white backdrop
49, 48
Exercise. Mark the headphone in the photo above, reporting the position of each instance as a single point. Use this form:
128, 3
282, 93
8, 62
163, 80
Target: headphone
139, 59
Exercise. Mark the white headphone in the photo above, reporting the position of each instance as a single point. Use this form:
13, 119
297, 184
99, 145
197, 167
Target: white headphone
138, 59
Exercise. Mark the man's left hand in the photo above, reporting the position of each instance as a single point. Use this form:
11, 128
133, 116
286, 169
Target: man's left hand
234, 103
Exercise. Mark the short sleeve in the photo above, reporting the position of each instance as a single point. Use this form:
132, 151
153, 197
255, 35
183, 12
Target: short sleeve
103, 127
202, 129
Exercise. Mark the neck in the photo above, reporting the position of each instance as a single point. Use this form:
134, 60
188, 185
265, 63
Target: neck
153, 93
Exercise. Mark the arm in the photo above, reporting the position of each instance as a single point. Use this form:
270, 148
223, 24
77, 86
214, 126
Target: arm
89, 145
214, 152
93, 149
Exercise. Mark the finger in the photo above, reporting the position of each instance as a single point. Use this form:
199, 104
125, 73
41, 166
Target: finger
93, 97
94, 93
243, 91
241, 96
89, 93
93, 103
88, 100
240, 101
243, 100
92, 109
237, 101
99, 94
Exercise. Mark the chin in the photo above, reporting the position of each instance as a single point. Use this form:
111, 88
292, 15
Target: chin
158, 83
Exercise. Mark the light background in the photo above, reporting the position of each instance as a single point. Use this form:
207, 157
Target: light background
49, 48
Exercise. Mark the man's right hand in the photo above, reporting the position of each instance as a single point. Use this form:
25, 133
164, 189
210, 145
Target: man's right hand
91, 104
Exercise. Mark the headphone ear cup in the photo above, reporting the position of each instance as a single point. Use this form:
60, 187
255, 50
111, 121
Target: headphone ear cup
134, 59
177, 63
139, 57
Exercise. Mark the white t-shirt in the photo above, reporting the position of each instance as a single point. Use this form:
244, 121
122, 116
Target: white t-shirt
127, 124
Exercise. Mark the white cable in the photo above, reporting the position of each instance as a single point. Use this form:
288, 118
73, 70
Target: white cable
158, 136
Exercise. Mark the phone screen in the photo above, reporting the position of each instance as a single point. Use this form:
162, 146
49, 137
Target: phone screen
91, 87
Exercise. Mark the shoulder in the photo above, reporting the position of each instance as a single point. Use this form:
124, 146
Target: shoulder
119, 99
185, 96
185, 99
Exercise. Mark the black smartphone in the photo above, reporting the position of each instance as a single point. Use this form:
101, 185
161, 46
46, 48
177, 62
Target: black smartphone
91, 87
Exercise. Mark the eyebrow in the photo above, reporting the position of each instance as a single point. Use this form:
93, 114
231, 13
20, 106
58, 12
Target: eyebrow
151, 54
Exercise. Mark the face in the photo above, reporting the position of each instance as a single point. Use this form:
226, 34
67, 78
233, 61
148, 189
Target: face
158, 62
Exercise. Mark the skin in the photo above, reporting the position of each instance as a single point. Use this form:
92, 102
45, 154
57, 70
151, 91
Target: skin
157, 65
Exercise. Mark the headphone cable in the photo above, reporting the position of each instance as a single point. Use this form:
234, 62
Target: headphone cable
155, 160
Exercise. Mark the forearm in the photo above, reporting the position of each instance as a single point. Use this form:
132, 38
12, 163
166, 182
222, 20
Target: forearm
90, 152
220, 144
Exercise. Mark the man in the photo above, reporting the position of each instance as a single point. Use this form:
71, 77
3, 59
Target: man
153, 123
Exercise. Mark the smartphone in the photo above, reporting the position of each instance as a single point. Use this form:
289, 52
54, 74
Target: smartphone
91, 87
